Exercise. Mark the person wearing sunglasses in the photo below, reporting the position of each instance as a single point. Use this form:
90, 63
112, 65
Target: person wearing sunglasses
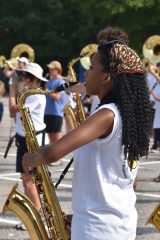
33, 78
107, 146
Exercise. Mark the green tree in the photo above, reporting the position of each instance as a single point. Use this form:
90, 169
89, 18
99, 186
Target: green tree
59, 29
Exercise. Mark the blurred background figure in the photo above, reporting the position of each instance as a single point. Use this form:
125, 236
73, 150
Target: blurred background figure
156, 122
9, 72
2, 91
22, 61
55, 102
16, 83
153, 81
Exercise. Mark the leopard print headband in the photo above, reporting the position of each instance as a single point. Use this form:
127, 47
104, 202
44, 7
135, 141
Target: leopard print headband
122, 59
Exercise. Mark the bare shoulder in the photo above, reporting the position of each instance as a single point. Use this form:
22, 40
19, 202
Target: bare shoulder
97, 125
103, 115
104, 119
100, 123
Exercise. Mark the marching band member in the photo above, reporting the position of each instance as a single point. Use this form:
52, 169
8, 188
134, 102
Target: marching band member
2, 91
32, 78
107, 146
54, 102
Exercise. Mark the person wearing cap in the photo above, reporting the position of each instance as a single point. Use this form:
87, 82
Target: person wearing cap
54, 102
33, 78
22, 61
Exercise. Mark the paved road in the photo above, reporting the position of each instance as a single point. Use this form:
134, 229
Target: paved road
148, 192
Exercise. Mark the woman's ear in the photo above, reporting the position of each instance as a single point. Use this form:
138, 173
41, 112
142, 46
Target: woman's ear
107, 78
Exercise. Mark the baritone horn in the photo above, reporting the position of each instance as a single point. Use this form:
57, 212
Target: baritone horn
151, 48
23, 50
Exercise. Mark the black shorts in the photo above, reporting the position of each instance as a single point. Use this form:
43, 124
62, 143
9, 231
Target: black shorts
21, 150
53, 123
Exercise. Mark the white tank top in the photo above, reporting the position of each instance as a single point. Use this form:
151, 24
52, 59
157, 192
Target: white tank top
103, 196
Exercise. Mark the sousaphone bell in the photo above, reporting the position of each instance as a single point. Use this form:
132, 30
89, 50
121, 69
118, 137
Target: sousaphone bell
23, 50
151, 48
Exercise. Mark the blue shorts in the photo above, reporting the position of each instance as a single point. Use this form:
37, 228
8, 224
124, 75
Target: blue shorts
53, 123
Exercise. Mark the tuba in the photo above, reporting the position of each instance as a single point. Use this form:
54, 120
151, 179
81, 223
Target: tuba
155, 217
23, 50
151, 48
21, 205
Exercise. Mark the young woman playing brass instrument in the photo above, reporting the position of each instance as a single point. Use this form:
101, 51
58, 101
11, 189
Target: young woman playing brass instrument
32, 77
107, 147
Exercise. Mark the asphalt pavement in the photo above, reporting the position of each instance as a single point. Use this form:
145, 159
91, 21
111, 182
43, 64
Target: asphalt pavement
147, 191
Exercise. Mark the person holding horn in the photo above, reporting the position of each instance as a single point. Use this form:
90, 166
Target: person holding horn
107, 146
33, 78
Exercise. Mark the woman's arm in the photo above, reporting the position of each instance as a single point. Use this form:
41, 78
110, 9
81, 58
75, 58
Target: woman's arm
99, 124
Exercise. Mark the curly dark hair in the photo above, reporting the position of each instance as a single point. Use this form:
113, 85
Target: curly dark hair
113, 33
132, 98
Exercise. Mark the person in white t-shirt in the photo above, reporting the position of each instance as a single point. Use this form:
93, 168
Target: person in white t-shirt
32, 77
107, 146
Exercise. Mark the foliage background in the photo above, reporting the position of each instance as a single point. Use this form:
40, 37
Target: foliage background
59, 29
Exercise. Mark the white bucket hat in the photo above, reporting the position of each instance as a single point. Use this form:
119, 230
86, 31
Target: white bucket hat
35, 69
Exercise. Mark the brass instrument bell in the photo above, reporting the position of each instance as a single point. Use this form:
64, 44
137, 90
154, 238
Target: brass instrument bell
154, 218
151, 48
24, 50
86, 54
